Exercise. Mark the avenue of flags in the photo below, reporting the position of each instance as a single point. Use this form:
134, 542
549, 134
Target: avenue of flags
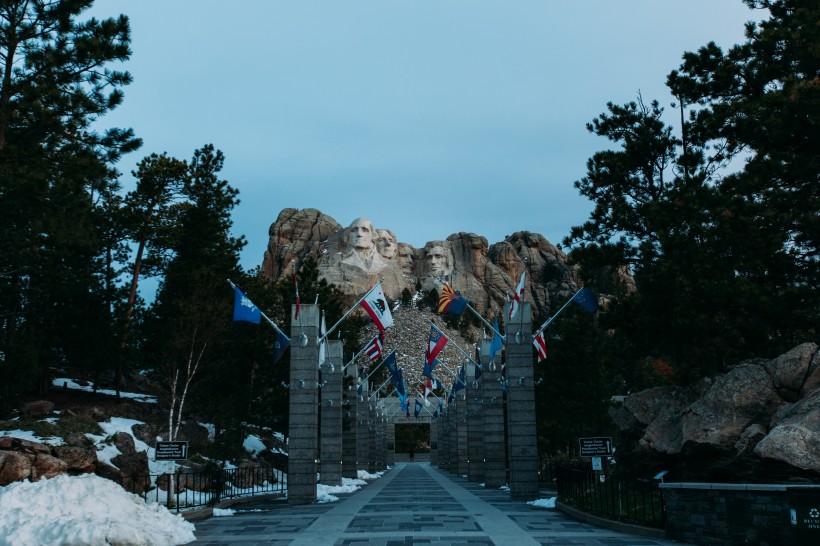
375, 304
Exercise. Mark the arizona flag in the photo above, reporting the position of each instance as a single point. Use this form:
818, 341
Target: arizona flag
373, 350
451, 301
244, 309
376, 306
436, 344
540, 346
518, 297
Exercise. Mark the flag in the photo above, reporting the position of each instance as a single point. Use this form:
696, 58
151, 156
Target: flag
361, 381
518, 297
460, 381
376, 306
586, 299
296, 289
244, 309
279, 345
477, 364
417, 408
540, 346
390, 363
497, 342
323, 344
436, 344
451, 301
373, 350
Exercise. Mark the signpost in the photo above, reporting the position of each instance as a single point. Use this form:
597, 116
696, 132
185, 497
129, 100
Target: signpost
171, 451
600, 446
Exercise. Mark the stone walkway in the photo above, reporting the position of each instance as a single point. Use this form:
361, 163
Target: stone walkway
414, 503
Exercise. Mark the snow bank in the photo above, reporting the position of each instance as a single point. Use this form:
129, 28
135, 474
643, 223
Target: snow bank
543, 503
84, 510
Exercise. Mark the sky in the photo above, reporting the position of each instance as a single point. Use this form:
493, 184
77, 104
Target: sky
427, 117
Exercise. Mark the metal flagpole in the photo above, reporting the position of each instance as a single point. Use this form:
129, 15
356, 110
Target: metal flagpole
375, 392
349, 311
490, 326
455, 344
275, 327
553, 317
353, 359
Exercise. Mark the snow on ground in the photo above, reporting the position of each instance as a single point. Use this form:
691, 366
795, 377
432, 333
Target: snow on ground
29, 435
92, 510
65, 383
364, 475
253, 444
325, 493
543, 503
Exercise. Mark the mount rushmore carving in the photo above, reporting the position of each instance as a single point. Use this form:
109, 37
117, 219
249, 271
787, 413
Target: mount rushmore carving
355, 257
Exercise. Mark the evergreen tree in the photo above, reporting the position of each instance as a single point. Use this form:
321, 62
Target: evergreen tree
58, 191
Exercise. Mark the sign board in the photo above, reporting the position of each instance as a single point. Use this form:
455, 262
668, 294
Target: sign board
596, 464
596, 447
171, 451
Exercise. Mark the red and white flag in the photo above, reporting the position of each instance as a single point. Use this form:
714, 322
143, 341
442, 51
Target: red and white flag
376, 306
374, 348
518, 297
540, 346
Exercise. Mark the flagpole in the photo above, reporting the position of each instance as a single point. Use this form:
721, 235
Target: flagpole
275, 327
455, 344
491, 327
375, 392
353, 359
553, 317
348, 312
378, 366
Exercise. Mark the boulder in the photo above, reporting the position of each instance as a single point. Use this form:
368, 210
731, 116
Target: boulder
789, 370
23, 446
125, 443
14, 467
812, 382
78, 459
37, 408
133, 471
47, 466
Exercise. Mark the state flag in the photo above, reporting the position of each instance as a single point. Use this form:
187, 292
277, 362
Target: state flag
437, 342
244, 309
540, 346
376, 306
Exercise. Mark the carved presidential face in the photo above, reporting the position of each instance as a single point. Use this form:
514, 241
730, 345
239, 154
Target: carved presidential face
386, 243
437, 261
360, 234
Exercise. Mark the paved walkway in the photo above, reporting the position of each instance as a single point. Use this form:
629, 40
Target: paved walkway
414, 503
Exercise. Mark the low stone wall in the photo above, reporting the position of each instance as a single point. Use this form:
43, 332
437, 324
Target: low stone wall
730, 514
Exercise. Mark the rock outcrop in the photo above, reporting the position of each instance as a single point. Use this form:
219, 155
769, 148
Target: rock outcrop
758, 422
484, 273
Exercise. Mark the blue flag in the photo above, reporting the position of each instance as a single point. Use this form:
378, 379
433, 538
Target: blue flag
497, 342
586, 299
244, 309
279, 345
477, 364
417, 409
390, 362
460, 381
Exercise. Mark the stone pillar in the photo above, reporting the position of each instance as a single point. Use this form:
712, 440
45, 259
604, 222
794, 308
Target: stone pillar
372, 463
390, 434
330, 439
461, 431
349, 420
379, 440
452, 436
434, 428
303, 428
475, 425
495, 465
362, 454
522, 439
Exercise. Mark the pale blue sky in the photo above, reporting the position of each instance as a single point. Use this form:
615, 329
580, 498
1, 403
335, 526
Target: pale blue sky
428, 117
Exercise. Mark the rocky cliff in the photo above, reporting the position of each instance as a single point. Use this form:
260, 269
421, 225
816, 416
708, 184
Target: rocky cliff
354, 258
759, 422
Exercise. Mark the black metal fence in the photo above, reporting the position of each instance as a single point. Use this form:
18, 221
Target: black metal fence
186, 490
632, 501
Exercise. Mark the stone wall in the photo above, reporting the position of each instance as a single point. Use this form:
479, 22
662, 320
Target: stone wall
729, 514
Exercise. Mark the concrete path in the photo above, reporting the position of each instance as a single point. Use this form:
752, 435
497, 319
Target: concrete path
414, 503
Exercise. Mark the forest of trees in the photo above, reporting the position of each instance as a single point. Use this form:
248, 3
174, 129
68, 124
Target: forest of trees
712, 203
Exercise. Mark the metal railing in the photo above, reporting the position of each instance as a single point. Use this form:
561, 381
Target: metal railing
187, 490
633, 501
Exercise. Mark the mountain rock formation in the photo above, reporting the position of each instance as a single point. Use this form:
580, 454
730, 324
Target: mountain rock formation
758, 422
355, 257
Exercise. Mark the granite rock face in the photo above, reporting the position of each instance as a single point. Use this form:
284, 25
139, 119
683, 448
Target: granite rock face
356, 257
759, 421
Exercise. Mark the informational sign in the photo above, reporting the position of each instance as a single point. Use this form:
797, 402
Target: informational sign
596, 464
171, 451
600, 446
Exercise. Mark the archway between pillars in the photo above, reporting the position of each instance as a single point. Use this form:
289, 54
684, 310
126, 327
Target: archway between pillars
405, 431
